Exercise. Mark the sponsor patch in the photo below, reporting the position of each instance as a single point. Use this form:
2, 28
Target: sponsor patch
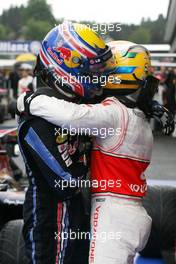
61, 139
100, 199
68, 162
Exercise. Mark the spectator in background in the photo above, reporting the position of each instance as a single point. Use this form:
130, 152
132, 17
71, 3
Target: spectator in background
13, 82
170, 91
159, 96
25, 83
2, 79
163, 72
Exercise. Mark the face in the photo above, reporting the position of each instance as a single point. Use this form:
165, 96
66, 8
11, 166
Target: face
24, 73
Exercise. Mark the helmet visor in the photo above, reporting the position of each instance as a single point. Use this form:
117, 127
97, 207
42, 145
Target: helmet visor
100, 64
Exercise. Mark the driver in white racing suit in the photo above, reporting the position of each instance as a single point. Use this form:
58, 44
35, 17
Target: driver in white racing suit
122, 148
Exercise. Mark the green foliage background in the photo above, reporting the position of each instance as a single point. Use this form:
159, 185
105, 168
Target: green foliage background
33, 21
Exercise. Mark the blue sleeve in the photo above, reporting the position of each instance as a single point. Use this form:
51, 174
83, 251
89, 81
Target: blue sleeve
41, 149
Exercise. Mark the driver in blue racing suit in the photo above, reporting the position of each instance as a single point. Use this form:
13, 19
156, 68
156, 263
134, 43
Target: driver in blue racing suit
52, 158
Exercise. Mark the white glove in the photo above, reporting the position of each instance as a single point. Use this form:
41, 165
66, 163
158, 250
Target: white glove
20, 103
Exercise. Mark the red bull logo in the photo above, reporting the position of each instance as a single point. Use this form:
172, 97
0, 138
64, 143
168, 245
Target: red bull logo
65, 53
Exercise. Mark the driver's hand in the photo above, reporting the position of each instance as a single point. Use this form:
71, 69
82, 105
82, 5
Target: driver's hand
23, 102
164, 116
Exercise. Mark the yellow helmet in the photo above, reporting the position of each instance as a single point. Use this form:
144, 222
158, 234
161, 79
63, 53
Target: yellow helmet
132, 67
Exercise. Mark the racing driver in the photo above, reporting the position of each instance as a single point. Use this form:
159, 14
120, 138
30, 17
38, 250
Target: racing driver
54, 206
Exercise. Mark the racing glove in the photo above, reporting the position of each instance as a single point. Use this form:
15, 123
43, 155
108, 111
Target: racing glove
164, 117
23, 103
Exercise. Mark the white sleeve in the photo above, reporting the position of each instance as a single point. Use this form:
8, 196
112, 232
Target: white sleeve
66, 114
